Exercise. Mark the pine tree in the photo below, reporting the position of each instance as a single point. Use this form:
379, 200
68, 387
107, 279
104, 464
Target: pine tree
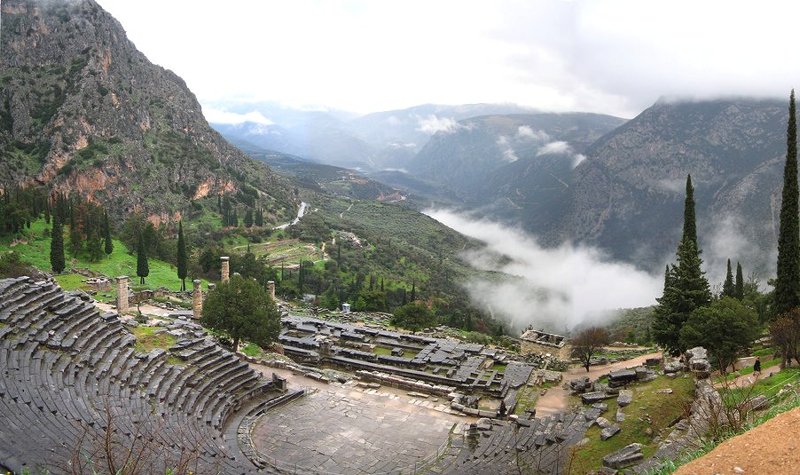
728, 288
109, 244
142, 267
685, 285
57, 261
182, 267
739, 288
787, 285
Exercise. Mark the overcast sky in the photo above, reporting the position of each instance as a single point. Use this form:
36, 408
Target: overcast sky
610, 56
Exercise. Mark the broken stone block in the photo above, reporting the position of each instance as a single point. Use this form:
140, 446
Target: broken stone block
580, 385
671, 367
625, 397
759, 402
609, 432
600, 405
621, 377
603, 422
620, 416
484, 424
624, 457
593, 397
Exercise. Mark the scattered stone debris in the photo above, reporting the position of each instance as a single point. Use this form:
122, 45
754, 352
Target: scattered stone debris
620, 416
624, 457
595, 396
580, 385
671, 367
622, 377
602, 422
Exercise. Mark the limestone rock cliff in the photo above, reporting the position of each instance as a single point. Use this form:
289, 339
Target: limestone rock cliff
81, 109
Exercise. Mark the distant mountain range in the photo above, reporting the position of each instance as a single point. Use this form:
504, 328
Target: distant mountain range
372, 143
595, 179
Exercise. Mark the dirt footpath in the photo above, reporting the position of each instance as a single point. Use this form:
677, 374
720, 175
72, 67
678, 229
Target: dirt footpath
556, 398
771, 448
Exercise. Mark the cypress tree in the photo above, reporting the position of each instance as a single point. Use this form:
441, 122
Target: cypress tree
728, 288
685, 285
787, 285
109, 244
739, 288
142, 267
182, 267
689, 226
413, 291
57, 261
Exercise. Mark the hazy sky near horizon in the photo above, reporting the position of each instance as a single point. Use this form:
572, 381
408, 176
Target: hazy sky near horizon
609, 56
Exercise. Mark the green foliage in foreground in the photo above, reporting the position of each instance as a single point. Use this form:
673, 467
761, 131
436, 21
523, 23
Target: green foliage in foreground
724, 328
242, 309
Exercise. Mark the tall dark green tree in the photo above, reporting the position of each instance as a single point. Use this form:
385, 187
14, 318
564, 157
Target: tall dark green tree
729, 288
142, 267
685, 285
182, 261
57, 262
109, 244
739, 286
689, 224
787, 285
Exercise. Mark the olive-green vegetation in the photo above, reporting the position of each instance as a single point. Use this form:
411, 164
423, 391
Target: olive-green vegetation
647, 420
723, 328
242, 309
150, 338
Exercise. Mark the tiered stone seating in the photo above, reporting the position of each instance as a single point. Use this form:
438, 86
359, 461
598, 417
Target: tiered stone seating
530, 446
69, 376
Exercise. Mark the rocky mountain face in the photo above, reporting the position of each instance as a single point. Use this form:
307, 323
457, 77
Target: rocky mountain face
627, 196
495, 157
81, 109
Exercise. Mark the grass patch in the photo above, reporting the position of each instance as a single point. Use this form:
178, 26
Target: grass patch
764, 352
662, 410
34, 247
526, 399
252, 350
499, 367
382, 351
147, 339
71, 282
175, 361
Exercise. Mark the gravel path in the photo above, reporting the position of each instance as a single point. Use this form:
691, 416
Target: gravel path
771, 448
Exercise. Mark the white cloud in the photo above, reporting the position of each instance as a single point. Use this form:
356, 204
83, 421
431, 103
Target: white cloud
526, 132
555, 148
577, 159
433, 124
508, 151
555, 288
216, 116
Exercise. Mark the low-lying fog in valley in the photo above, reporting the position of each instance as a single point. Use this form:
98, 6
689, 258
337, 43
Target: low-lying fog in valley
554, 289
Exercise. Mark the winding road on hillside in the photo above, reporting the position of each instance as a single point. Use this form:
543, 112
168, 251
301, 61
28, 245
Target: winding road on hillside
556, 399
300, 213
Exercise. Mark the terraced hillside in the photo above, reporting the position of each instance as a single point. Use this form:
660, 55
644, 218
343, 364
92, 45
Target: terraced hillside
75, 395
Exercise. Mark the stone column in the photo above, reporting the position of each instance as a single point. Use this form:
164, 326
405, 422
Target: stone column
122, 294
197, 299
226, 268
271, 289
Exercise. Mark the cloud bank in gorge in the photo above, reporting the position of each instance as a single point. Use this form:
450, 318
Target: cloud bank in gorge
216, 116
433, 124
556, 288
